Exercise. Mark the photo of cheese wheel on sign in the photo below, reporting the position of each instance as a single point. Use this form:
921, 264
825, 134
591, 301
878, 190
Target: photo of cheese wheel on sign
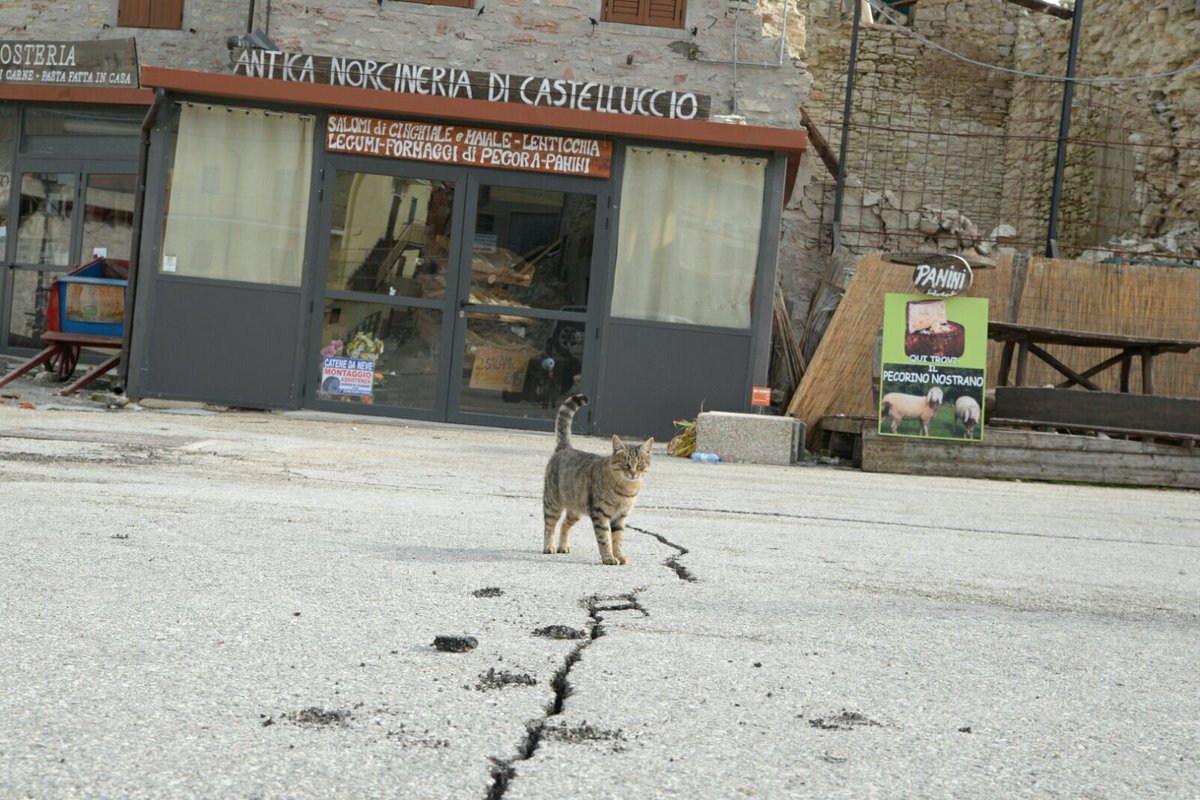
929, 333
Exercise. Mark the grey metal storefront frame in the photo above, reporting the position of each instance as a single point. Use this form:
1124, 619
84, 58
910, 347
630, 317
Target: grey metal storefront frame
617, 371
449, 378
682, 346
180, 355
75, 160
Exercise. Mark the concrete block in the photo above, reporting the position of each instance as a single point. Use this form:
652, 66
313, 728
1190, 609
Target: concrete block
751, 438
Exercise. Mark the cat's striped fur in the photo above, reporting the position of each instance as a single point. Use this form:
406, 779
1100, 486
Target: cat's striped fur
582, 484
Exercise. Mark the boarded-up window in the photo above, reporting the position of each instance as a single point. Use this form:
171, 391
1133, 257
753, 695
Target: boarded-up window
166, 14
662, 13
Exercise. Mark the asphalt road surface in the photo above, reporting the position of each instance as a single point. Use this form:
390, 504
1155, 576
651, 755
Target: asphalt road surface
244, 605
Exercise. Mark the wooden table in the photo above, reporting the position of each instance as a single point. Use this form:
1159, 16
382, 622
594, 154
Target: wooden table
65, 347
1028, 339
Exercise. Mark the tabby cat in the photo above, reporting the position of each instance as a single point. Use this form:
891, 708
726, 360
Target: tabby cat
584, 484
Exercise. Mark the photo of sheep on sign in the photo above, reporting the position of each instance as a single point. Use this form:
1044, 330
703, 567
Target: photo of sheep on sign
932, 367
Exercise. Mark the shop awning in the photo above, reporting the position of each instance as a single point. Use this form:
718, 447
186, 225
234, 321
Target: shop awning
237, 88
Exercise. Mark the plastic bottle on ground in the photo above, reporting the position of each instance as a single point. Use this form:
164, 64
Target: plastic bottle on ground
706, 458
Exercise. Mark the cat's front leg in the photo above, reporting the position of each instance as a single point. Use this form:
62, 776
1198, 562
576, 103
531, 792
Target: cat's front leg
600, 524
618, 537
564, 542
551, 524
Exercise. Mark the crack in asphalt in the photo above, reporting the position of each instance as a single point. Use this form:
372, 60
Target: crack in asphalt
673, 562
504, 770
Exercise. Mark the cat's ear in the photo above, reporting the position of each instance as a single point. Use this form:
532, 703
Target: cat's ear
618, 445
646, 445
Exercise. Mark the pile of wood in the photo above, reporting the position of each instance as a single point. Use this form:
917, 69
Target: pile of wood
787, 362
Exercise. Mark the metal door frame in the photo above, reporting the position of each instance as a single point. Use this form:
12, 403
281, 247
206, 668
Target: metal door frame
597, 279
454, 306
331, 165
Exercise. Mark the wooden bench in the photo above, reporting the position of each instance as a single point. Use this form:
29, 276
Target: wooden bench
1027, 340
1137, 415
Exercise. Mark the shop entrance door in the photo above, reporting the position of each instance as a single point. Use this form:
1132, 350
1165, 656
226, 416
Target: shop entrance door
62, 213
453, 294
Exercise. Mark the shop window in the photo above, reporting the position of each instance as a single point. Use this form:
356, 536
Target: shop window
687, 249
165, 14
660, 13
108, 215
67, 130
237, 195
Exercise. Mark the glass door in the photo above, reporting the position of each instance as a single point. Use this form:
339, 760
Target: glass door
452, 295
389, 252
61, 216
521, 340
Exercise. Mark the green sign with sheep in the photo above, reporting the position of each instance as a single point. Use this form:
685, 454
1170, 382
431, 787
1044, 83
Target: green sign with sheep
931, 376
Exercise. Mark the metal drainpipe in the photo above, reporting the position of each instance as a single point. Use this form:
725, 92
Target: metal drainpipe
250, 18
1064, 125
135, 243
841, 177
787, 5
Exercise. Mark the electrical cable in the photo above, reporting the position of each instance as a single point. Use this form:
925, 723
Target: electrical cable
877, 5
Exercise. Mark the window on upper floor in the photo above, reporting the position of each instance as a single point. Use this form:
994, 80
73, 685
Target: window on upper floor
660, 13
165, 14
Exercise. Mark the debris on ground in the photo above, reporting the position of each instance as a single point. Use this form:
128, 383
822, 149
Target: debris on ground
455, 644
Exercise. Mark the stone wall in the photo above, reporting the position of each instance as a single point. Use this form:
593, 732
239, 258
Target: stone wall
925, 158
1132, 178
199, 46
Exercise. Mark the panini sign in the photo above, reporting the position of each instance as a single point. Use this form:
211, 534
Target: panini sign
497, 87
111, 63
943, 275
478, 147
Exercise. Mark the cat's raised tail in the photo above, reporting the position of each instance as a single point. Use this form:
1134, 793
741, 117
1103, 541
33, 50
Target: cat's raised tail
566, 414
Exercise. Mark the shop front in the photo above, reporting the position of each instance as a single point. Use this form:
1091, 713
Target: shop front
68, 170
451, 259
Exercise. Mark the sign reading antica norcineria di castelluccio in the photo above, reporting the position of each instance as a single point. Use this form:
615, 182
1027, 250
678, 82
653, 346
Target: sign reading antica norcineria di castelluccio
498, 87
111, 63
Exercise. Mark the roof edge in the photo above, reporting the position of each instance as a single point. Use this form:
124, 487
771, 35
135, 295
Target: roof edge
238, 87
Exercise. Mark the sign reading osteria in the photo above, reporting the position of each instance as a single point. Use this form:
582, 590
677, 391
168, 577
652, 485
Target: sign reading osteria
110, 63
478, 147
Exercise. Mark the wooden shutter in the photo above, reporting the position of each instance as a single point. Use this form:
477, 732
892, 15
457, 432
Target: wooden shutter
660, 13
133, 13
665, 13
167, 14
627, 11
450, 3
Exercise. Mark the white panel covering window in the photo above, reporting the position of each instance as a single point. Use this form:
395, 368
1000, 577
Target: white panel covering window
237, 199
687, 250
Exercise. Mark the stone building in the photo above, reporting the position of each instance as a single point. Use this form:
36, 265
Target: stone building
952, 134
447, 210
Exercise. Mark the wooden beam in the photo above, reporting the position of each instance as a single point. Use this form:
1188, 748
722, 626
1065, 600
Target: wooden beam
1032, 455
819, 143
